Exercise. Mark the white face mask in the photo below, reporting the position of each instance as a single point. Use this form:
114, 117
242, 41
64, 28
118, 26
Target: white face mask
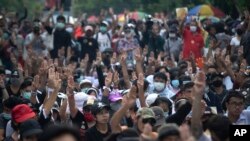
159, 86
69, 29
172, 35
193, 28
166, 114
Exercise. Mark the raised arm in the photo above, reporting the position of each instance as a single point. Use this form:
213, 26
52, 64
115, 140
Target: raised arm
141, 94
124, 69
198, 90
71, 100
128, 101
54, 84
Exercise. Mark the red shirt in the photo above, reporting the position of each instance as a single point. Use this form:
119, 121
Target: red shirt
193, 42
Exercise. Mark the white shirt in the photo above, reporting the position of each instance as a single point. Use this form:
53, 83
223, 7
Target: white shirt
235, 42
104, 40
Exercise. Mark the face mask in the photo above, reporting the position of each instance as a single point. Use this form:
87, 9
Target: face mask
26, 95
166, 114
6, 116
15, 82
217, 83
7, 79
69, 29
88, 117
159, 86
115, 106
103, 29
172, 35
60, 25
193, 28
84, 90
80, 78
175, 83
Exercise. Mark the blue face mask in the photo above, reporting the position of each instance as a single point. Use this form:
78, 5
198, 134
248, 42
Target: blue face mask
103, 29
175, 83
6, 116
60, 25
26, 95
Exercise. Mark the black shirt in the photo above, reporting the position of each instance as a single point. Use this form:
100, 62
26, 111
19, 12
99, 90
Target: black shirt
11, 93
92, 134
61, 39
80, 123
88, 46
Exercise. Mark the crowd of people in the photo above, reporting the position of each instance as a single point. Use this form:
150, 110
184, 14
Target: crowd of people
156, 79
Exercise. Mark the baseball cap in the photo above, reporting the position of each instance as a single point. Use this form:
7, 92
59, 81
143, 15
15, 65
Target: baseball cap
115, 96
151, 98
29, 128
159, 115
105, 23
85, 81
88, 27
21, 113
15, 73
145, 113
98, 107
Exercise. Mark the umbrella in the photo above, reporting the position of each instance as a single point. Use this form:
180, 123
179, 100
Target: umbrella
137, 15
92, 19
206, 10
210, 19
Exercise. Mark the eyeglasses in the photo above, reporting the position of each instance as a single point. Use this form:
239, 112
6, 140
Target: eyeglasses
151, 121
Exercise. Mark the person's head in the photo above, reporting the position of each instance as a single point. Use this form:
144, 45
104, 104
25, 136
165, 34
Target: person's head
26, 89
85, 85
219, 127
60, 22
155, 29
172, 33
145, 116
169, 132
235, 102
159, 117
104, 27
89, 31
129, 134
101, 112
115, 99
92, 91
129, 30
211, 29
14, 80
211, 69
30, 130
21, 113
165, 104
217, 80
239, 32
193, 26
14, 27
160, 81
60, 133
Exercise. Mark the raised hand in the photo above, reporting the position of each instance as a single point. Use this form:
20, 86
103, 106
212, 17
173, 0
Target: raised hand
199, 84
54, 80
108, 79
137, 55
36, 83
98, 58
140, 81
116, 78
228, 61
71, 85
113, 58
123, 58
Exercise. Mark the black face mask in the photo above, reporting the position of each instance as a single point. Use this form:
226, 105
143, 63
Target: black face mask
217, 83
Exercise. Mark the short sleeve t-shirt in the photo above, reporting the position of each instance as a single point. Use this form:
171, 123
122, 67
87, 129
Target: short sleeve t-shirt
92, 134
104, 40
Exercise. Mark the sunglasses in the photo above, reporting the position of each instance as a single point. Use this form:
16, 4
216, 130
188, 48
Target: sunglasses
151, 121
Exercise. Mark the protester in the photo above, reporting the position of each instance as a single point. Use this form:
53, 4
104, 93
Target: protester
123, 80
